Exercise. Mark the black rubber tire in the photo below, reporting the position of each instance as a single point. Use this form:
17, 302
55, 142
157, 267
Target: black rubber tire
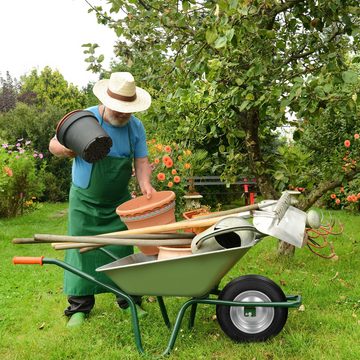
257, 285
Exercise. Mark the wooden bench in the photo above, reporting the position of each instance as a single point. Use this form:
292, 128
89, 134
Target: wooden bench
248, 185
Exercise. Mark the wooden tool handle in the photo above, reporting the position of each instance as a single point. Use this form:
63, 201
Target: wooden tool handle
180, 225
169, 242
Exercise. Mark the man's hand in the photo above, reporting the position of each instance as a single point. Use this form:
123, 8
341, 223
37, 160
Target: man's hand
59, 150
147, 190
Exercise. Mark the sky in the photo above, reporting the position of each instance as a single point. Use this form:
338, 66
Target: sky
39, 33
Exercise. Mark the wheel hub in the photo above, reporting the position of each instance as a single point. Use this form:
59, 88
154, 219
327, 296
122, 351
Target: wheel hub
252, 320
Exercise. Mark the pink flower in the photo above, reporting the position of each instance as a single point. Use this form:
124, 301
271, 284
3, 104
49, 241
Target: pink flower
18, 145
41, 156
356, 136
5, 146
347, 143
35, 155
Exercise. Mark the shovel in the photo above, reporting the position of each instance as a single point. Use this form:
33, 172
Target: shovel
282, 221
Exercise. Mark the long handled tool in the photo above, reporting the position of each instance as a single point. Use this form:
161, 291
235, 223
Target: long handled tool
112, 241
204, 221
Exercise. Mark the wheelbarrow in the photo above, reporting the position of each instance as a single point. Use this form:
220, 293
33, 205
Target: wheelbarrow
249, 308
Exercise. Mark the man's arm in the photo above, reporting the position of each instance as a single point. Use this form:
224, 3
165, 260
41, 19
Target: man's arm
143, 175
59, 150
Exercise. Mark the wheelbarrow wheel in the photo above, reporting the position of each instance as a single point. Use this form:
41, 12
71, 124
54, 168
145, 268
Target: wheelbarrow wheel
245, 324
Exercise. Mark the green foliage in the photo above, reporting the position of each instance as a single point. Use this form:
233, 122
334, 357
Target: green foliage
51, 88
292, 168
21, 177
29, 123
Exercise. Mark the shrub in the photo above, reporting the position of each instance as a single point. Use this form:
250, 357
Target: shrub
348, 195
21, 177
28, 122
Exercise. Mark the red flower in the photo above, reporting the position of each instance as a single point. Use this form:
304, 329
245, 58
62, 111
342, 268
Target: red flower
173, 172
177, 179
170, 184
347, 143
161, 176
169, 163
167, 148
8, 171
333, 196
337, 201
356, 136
165, 159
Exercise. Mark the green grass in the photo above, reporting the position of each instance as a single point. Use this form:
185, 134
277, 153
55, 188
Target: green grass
32, 324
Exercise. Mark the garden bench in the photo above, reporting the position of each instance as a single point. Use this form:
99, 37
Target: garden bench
248, 185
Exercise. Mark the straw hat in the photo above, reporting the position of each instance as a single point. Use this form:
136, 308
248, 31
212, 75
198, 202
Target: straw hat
119, 93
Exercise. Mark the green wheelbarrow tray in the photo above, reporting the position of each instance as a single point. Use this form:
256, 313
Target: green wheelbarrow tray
189, 276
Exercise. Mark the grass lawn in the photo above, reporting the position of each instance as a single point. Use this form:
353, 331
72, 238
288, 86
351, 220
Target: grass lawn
32, 324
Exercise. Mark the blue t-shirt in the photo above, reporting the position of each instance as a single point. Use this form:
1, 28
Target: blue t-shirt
81, 169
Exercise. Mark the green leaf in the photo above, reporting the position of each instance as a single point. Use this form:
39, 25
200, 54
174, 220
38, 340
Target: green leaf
250, 97
278, 175
229, 34
211, 35
244, 105
349, 77
220, 42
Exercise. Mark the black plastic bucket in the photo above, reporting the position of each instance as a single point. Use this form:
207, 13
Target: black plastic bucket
80, 131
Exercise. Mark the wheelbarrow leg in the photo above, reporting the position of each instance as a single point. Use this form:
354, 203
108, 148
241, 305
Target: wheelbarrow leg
130, 301
164, 311
192, 315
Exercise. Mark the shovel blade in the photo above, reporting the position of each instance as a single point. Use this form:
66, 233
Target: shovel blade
290, 229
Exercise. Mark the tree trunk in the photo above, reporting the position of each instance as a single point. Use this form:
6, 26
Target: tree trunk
250, 123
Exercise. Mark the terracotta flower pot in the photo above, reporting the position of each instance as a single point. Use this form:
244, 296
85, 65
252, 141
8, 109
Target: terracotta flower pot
171, 252
196, 213
142, 212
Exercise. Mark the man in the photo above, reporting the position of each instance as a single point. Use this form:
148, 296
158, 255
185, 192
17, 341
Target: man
98, 188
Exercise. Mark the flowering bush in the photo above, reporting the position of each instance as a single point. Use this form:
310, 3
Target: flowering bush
21, 177
171, 168
348, 195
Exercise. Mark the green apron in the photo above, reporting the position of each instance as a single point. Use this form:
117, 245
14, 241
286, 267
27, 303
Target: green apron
92, 212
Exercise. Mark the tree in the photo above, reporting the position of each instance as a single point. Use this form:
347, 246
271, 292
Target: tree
50, 88
229, 72
8, 93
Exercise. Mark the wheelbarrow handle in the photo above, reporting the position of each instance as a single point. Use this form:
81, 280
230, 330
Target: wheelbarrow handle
27, 260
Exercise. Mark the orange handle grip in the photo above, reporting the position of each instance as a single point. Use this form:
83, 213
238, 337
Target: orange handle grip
27, 260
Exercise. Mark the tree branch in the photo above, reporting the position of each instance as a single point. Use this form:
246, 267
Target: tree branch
316, 194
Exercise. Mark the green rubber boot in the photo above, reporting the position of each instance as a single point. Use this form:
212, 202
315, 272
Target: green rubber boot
76, 320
